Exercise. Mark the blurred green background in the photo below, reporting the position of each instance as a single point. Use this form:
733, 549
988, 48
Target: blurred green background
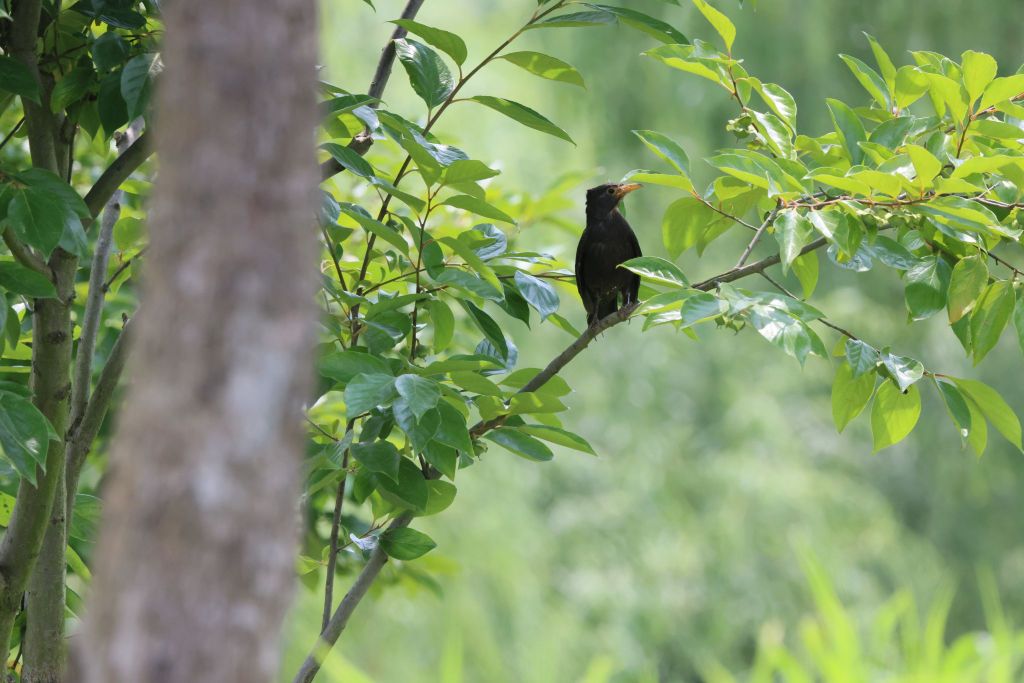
719, 465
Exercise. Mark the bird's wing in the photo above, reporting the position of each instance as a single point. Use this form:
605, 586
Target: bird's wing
581, 287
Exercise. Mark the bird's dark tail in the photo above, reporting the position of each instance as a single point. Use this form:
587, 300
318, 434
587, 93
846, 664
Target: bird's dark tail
603, 309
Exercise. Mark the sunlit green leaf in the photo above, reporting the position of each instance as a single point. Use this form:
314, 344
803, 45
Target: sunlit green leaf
894, 414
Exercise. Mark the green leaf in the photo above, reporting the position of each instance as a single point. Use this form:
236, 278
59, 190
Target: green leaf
445, 41
523, 114
1018, 318
490, 329
428, 74
719, 21
925, 164
419, 430
349, 158
643, 22
24, 435
520, 443
467, 170
109, 51
379, 457
110, 105
1002, 90
366, 392
43, 180
575, 19
957, 407
342, 366
850, 395
546, 66
861, 357
538, 293
452, 430
793, 232
443, 322
16, 78
993, 311
683, 57
658, 270
406, 544
978, 71
805, 268
559, 436
927, 283
440, 495
968, 281
911, 84
71, 88
137, 83
905, 371
993, 407
37, 218
894, 414
479, 207
885, 64
444, 459
778, 99
869, 80
679, 182
978, 436
666, 148
16, 278
786, 332
701, 307
849, 128
373, 226
684, 224
420, 393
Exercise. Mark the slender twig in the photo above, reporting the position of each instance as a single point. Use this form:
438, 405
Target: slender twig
95, 300
721, 212
791, 295
757, 237
14, 130
121, 268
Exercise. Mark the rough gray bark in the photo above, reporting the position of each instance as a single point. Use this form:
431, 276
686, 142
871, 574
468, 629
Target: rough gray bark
194, 565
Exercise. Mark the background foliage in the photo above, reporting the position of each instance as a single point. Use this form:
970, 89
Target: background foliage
683, 543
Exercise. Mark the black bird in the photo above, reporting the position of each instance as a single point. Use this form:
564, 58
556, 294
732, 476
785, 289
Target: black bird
607, 241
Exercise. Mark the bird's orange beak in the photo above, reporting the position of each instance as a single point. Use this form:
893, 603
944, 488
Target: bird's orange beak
623, 190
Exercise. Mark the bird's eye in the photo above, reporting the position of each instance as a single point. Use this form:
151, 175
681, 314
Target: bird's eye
611, 190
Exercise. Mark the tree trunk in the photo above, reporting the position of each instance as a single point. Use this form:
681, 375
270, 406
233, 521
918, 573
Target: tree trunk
195, 559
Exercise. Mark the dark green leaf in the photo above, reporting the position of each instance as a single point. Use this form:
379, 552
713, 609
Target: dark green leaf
18, 279
16, 78
545, 66
445, 41
927, 283
666, 148
862, 357
575, 19
993, 311
656, 270
110, 104
993, 407
428, 74
958, 409
419, 430
342, 366
440, 495
37, 217
410, 491
137, 82
109, 51
905, 371
406, 544
523, 114
490, 329
24, 435
643, 22
540, 294
365, 392
443, 323
71, 88
850, 129
420, 393
521, 444
479, 207
379, 457
793, 232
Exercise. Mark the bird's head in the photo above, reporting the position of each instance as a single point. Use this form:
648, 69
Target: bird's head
603, 198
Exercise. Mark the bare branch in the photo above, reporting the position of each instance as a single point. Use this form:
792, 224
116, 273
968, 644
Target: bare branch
757, 237
83, 433
361, 143
118, 171
24, 255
